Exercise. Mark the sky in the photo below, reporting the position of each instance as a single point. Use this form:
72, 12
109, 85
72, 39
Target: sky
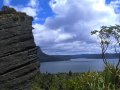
64, 26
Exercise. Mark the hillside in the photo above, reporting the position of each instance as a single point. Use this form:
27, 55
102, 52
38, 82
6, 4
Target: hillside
47, 58
43, 57
88, 56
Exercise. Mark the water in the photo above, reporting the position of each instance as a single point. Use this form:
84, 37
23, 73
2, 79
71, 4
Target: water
75, 65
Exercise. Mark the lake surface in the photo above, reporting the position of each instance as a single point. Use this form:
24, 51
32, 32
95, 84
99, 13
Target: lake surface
75, 65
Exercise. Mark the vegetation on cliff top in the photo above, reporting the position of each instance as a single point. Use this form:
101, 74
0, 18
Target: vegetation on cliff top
8, 12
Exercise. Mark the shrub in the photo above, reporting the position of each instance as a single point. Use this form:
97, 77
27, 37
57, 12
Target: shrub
105, 80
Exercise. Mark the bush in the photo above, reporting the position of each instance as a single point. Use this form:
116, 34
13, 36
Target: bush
105, 80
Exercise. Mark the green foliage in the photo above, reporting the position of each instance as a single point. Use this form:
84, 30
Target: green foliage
11, 13
109, 79
111, 75
7, 9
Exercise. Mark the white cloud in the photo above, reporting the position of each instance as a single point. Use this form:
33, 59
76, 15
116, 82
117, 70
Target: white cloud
32, 8
69, 30
46, 36
6, 2
33, 3
116, 5
76, 47
93, 11
30, 11
63, 37
73, 22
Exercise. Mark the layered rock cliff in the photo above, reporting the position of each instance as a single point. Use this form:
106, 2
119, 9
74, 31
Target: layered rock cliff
18, 53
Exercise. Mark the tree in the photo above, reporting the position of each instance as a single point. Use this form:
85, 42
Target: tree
109, 36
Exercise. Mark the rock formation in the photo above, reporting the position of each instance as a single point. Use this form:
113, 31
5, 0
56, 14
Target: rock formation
18, 53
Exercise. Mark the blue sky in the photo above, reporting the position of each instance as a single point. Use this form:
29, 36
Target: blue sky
64, 26
44, 12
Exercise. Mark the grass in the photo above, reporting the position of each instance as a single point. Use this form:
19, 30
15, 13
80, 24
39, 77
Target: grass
109, 79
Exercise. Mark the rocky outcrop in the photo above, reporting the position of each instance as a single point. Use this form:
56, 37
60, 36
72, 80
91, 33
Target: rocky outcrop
18, 53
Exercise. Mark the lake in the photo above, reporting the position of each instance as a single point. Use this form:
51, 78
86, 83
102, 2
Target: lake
75, 65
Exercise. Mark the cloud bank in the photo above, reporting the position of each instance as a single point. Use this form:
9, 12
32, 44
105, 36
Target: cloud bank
68, 31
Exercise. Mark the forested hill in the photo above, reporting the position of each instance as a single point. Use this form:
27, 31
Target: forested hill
48, 58
88, 56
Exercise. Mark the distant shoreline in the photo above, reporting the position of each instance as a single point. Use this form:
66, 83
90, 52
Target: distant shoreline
43, 57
